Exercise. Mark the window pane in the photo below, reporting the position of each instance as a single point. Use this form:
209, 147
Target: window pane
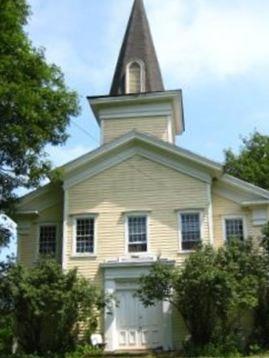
234, 229
138, 248
137, 233
190, 231
47, 240
134, 78
85, 236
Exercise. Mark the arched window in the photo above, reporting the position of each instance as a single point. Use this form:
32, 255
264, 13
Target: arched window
135, 77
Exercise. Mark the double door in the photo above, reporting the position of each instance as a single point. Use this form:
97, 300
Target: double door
138, 327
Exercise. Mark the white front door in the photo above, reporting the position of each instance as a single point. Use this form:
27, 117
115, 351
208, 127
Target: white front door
138, 327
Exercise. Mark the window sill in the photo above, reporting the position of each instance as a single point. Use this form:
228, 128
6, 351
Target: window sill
87, 256
185, 252
138, 253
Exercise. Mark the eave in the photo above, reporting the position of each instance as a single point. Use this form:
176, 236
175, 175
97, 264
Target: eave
144, 138
29, 213
241, 184
97, 103
255, 203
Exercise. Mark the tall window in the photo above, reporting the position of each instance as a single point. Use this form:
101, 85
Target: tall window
190, 230
137, 234
47, 240
85, 235
234, 229
135, 77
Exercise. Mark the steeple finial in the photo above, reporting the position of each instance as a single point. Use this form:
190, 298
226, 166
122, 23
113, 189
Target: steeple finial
137, 68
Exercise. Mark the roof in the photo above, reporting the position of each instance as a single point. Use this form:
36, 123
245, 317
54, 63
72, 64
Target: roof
152, 148
138, 44
145, 138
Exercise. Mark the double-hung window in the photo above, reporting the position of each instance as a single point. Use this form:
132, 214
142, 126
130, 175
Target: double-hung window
234, 228
47, 240
190, 230
137, 233
84, 236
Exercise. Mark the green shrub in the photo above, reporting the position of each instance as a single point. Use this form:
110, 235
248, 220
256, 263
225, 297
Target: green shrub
211, 350
6, 335
212, 291
85, 351
260, 336
47, 305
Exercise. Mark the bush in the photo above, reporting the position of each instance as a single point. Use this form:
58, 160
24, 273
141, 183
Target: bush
81, 351
212, 291
85, 351
6, 321
6, 335
211, 350
261, 324
47, 307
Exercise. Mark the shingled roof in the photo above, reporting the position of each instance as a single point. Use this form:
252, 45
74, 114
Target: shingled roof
138, 44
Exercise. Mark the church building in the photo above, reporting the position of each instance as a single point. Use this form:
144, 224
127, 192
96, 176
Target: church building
136, 198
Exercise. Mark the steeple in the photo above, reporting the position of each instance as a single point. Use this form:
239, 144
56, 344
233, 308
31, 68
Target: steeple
137, 69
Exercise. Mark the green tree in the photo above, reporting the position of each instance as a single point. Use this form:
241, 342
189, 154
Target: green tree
252, 163
46, 306
6, 333
35, 106
211, 291
261, 326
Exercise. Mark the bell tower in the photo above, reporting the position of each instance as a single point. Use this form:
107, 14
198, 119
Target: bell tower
137, 100
137, 68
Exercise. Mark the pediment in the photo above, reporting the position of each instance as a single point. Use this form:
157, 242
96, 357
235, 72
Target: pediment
145, 146
169, 155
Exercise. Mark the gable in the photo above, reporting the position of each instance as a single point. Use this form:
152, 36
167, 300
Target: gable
146, 146
41, 199
240, 192
137, 184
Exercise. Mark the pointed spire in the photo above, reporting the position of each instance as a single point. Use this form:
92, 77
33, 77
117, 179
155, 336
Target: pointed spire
138, 45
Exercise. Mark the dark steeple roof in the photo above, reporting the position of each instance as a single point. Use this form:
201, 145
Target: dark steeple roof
138, 44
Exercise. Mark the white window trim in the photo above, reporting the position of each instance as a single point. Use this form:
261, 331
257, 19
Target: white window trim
135, 214
56, 224
142, 75
234, 217
201, 218
76, 254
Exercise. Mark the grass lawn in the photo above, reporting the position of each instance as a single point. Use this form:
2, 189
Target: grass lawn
177, 355
263, 355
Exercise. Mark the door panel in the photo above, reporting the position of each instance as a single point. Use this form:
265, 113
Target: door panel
138, 327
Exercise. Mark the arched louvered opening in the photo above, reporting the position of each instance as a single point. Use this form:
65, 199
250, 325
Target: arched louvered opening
135, 77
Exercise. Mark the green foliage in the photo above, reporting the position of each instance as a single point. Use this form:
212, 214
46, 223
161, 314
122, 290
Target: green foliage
252, 163
214, 349
265, 237
47, 305
35, 105
6, 334
85, 351
261, 331
213, 291
158, 285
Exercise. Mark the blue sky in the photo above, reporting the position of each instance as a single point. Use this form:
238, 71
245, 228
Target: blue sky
215, 50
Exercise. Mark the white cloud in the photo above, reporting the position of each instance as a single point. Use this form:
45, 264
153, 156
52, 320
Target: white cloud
201, 39
65, 30
195, 39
